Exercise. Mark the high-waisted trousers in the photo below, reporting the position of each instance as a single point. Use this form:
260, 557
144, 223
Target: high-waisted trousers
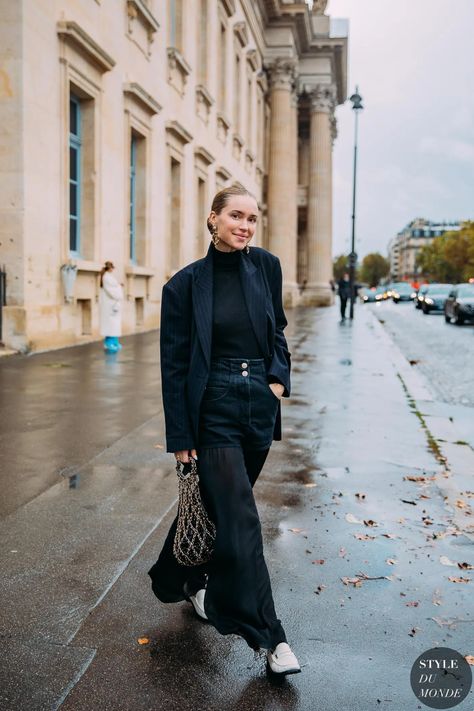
236, 425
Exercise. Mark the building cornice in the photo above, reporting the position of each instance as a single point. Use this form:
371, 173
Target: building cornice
73, 34
175, 128
142, 97
204, 155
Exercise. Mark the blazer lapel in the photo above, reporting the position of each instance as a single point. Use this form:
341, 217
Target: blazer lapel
202, 304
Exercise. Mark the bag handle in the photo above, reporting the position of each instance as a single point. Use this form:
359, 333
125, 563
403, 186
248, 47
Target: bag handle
182, 473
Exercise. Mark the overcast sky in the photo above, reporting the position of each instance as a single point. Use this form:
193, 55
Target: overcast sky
414, 63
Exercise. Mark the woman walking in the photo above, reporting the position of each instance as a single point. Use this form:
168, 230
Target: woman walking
225, 366
110, 309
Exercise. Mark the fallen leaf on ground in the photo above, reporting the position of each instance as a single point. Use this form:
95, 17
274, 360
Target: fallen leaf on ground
427, 521
308, 486
143, 640
469, 659
364, 536
296, 530
460, 504
436, 598
444, 560
370, 522
356, 582
158, 446
453, 579
320, 561
389, 535
465, 566
446, 622
364, 576
419, 478
424, 496
350, 518
413, 603
391, 561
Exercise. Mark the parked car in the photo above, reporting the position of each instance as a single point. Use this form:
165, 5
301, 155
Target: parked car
435, 297
373, 294
402, 291
420, 295
460, 304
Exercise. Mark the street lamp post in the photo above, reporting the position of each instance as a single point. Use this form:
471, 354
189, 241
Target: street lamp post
357, 106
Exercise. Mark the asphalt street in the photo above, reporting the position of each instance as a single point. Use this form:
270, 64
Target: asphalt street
366, 509
443, 353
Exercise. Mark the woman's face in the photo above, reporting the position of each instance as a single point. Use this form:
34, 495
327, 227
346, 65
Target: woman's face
236, 223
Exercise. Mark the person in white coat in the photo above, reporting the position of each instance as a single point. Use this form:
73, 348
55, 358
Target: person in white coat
110, 308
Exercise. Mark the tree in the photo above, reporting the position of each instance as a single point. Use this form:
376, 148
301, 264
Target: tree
450, 257
340, 266
373, 268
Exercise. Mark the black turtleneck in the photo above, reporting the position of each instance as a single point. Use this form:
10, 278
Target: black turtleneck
232, 332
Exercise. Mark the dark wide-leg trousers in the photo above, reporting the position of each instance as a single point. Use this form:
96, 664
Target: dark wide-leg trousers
236, 430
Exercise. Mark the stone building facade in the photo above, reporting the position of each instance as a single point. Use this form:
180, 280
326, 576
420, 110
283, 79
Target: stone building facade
120, 119
405, 246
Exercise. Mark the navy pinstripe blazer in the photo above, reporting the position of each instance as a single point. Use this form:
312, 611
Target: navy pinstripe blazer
186, 333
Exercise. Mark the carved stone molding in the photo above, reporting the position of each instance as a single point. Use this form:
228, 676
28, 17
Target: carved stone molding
228, 6
178, 69
252, 59
323, 98
223, 173
75, 36
319, 7
138, 94
203, 154
178, 131
204, 102
282, 73
139, 13
240, 31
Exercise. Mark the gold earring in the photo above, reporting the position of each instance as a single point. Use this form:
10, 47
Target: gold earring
215, 237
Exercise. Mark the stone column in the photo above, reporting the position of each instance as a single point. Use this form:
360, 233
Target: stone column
318, 290
282, 178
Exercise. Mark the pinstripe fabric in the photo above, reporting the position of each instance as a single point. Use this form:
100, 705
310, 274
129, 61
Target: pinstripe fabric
186, 333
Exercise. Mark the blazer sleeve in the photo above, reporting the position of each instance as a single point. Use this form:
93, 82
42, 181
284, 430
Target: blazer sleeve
175, 341
280, 365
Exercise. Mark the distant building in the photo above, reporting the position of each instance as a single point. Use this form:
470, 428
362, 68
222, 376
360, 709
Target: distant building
405, 246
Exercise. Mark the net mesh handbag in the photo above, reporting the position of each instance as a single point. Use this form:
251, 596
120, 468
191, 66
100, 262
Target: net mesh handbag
195, 532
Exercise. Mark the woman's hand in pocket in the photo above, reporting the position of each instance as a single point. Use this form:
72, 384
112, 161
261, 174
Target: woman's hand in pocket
278, 389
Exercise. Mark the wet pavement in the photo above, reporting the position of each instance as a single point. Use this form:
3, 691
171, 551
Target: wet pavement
366, 508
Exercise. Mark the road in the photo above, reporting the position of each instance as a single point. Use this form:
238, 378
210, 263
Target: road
443, 353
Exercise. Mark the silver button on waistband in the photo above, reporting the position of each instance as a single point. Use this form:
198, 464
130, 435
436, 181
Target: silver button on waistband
244, 372
244, 365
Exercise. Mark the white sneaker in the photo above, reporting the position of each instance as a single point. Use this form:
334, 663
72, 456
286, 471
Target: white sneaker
282, 660
198, 603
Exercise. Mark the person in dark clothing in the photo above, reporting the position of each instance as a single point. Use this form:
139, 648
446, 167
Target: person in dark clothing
344, 291
225, 367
